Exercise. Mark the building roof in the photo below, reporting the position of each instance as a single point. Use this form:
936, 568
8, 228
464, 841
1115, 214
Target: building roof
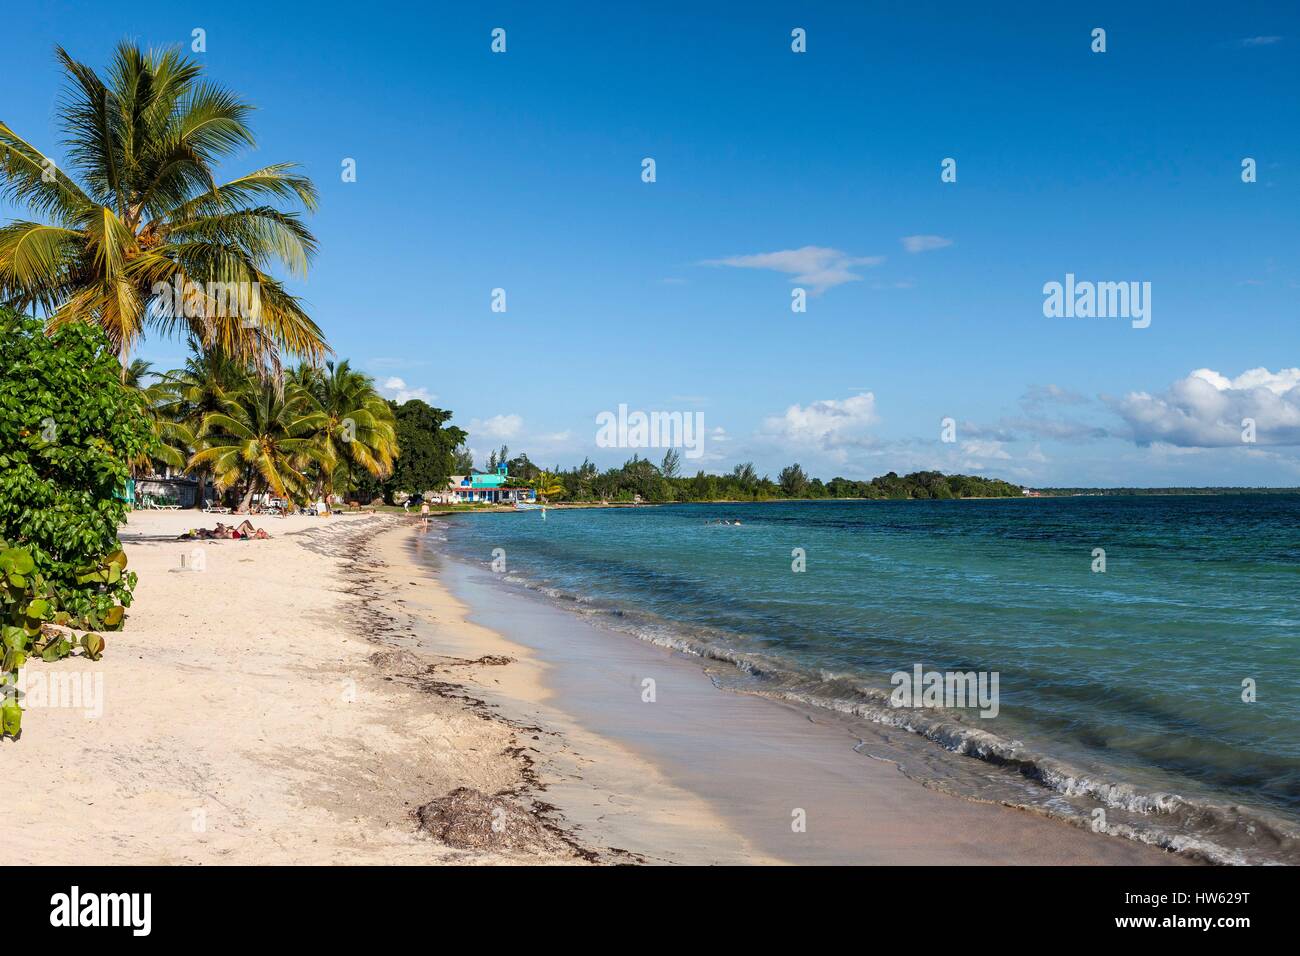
480, 480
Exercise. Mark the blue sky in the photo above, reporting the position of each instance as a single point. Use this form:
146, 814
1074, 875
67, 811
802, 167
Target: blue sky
522, 171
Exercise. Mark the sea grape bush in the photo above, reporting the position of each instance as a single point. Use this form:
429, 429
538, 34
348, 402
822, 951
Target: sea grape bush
68, 428
28, 605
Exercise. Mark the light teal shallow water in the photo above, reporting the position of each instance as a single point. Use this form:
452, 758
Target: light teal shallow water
1118, 691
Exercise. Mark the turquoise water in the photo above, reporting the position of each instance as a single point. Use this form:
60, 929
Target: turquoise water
1118, 690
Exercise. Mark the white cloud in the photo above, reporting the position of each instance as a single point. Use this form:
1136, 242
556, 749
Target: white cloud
498, 426
817, 267
1205, 409
985, 449
1260, 41
829, 424
924, 243
397, 389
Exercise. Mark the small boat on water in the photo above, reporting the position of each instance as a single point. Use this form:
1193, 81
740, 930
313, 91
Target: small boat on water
527, 506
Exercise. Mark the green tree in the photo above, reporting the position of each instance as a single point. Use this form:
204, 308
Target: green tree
793, 481
428, 447
190, 394
69, 429
462, 461
548, 485
671, 466
522, 468
357, 428
148, 216
745, 476
173, 439
262, 438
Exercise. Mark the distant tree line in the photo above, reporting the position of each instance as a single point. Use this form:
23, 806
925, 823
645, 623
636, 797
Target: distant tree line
661, 483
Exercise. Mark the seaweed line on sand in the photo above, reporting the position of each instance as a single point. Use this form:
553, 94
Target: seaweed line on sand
514, 818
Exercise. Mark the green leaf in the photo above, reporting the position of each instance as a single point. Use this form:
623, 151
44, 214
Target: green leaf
16, 560
14, 638
11, 717
56, 650
94, 645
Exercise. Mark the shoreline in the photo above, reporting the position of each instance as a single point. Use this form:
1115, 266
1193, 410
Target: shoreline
328, 697
618, 804
756, 760
660, 599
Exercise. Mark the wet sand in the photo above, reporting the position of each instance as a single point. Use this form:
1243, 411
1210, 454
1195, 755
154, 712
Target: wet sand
789, 783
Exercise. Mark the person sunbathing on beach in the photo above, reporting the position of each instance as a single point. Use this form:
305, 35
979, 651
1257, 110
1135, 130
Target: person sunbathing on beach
220, 531
243, 531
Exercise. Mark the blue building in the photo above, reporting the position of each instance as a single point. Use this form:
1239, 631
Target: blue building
496, 488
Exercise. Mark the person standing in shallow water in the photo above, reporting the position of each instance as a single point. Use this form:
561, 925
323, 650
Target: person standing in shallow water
424, 513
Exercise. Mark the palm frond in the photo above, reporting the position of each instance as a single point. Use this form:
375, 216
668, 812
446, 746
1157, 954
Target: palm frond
35, 263
149, 215
30, 178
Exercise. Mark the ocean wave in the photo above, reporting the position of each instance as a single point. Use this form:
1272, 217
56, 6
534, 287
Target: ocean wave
1213, 832
1199, 828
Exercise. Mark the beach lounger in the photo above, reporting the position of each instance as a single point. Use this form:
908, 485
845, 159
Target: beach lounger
160, 504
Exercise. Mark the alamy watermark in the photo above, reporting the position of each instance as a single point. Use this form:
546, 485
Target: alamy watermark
198, 300
75, 908
949, 689
58, 688
652, 430
1102, 300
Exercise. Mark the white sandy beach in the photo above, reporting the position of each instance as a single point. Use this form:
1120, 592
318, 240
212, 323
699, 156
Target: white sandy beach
244, 721
298, 699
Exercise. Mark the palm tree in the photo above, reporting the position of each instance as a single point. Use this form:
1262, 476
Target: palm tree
147, 218
190, 394
548, 485
134, 374
264, 436
357, 426
172, 437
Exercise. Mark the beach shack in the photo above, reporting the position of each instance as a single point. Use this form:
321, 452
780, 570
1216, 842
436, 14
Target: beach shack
496, 488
